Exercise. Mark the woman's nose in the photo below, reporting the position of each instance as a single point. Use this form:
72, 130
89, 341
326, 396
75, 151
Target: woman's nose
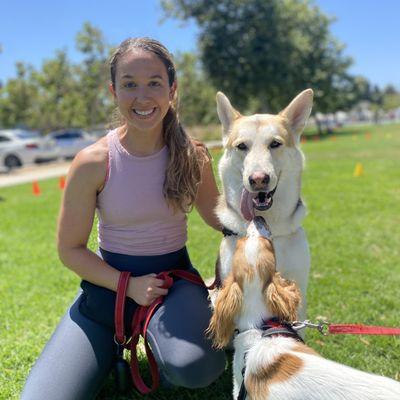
142, 94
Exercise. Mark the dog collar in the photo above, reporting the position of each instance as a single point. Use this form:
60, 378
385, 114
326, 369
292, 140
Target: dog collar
227, 232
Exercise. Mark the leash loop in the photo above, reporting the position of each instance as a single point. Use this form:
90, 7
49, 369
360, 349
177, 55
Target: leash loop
140, 321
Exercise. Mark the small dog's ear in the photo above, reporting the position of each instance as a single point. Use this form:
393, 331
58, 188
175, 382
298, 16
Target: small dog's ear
283, 298
226, 113
298, 111
227, 306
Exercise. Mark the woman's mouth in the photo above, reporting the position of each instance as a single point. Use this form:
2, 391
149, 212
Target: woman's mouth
144, 113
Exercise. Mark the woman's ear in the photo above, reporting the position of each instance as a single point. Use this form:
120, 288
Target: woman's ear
227, 306
111, 89
172, 91
283, 298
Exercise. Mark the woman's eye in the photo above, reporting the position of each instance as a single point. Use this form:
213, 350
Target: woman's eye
154, 83
274, 144
241, 146
129, 85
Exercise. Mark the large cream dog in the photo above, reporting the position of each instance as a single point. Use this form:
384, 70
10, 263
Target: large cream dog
261, 171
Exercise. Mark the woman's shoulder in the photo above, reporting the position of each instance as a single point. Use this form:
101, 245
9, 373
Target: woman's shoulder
92, 162
201, 150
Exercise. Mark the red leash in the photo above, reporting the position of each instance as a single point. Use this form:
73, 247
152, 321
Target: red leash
140, 323
345, 329
358, 329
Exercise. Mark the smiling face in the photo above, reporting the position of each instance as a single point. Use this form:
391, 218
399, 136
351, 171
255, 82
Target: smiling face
142, 90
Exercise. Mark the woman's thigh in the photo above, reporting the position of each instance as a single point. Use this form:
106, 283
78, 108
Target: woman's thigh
177, 336
75, 361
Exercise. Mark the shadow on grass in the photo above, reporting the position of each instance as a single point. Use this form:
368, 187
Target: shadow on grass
221, 389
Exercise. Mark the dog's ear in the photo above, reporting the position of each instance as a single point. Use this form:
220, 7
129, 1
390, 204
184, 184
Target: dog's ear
283, 298
227, 306
298, 111
226, 113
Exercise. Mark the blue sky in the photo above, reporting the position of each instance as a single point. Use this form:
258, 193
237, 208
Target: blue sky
31, 31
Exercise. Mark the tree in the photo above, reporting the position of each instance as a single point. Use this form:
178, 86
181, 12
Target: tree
18, 97
197, 95
262, 52
93, 74
59, 104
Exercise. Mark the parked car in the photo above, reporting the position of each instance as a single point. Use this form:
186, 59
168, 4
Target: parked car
19, 147
71, 141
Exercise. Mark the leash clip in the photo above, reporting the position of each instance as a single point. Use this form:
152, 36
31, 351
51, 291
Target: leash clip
321, 326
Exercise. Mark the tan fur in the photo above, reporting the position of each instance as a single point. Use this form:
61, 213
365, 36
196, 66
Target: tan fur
266, 261
283, 297
286, 366
261, 122
227, 306
241, 268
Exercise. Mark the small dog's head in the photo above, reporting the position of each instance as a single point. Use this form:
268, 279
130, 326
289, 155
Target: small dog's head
262, 146
253, 267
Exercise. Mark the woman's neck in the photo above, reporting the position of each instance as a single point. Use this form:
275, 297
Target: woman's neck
141, 143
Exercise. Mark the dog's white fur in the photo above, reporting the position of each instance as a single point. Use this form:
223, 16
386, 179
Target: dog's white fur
280, 367
283, 165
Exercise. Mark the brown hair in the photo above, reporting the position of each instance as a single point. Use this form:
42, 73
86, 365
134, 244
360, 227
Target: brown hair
186, 158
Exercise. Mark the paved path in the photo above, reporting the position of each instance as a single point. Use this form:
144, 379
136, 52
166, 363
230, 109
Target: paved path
37, 172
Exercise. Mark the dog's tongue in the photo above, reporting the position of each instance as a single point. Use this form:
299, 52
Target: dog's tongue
246, 205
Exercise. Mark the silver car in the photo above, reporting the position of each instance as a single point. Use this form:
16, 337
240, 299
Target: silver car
20, 147
71, 141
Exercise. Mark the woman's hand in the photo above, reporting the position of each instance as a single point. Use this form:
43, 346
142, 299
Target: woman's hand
145, 289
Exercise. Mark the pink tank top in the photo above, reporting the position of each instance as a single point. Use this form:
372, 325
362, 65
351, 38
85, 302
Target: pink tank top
134, 217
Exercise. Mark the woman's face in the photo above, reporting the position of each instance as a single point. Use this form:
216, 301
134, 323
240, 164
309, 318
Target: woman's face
142, 90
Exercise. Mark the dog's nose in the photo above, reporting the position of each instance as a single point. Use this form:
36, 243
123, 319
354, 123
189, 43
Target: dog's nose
259, 180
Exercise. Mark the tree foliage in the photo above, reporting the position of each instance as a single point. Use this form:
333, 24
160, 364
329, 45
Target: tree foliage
197, 95
61, 94
262, 52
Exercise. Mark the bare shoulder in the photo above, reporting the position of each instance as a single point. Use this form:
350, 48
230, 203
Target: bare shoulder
201, 150
90, 164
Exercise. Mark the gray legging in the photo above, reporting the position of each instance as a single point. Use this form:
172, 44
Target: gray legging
81, 353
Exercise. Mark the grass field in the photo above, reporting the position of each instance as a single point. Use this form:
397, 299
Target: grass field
353, 231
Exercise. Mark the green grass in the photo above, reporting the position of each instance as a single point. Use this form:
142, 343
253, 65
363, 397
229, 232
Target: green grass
354, 236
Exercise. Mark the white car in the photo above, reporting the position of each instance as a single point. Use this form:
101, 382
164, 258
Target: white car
71, 141
20, 147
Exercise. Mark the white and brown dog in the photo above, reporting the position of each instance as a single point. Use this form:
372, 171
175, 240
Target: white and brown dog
276, 365
260, 172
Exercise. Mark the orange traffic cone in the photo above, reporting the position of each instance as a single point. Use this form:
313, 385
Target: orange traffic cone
61, 183
36, 188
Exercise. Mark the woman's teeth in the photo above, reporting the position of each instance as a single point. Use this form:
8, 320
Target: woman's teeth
143, 112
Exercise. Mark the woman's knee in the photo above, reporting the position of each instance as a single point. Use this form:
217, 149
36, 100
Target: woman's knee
197, 373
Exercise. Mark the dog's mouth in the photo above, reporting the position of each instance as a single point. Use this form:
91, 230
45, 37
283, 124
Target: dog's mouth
260, 201
263, 201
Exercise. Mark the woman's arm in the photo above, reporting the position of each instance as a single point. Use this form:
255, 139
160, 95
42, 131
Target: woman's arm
207, 194
85, 178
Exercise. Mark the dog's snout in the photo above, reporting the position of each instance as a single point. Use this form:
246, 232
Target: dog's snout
259, 180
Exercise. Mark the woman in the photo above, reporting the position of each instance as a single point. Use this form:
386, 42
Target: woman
142, 178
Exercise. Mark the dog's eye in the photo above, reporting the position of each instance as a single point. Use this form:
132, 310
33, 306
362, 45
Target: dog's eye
274, 144
241, 146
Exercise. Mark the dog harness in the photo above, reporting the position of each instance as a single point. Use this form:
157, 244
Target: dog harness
269, 328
